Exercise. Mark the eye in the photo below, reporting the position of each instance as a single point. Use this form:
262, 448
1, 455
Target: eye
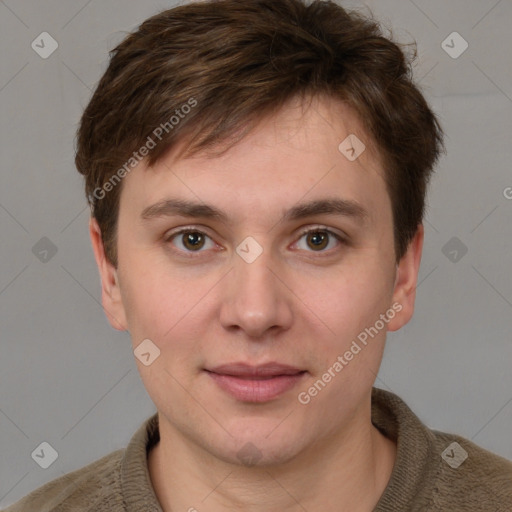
190, 240
319, 238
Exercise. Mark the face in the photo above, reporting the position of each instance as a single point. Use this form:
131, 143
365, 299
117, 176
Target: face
263, 283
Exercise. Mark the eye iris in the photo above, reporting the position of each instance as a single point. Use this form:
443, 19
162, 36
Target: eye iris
318, 239
196, 240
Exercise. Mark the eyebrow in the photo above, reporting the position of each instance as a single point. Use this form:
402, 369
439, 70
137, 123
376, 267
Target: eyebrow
328, 206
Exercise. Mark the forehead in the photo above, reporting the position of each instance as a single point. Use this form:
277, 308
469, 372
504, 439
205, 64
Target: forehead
300, 152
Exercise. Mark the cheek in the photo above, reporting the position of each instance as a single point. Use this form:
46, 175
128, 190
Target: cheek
146, 295
350, 307
163, 302
348, 299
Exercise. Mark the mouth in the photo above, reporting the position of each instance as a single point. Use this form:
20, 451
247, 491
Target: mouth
256, 384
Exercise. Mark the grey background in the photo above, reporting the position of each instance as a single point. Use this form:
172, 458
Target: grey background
68, 378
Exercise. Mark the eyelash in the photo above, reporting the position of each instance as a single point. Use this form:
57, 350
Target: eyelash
192, 229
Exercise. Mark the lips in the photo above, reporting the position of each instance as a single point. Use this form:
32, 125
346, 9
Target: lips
257, 384
244, 370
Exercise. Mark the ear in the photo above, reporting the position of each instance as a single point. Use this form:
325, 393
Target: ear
110, 292
406, 281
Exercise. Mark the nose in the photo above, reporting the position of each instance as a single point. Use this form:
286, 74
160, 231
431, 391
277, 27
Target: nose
255, 298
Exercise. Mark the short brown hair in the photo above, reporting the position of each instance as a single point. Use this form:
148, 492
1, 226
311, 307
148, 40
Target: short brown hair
236, 62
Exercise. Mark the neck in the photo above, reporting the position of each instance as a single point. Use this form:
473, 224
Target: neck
344, 471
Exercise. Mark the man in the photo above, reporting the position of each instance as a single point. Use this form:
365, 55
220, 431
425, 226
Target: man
257, 174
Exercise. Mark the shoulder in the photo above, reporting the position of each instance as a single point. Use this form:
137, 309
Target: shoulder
92, 487
437, 471
470, 475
